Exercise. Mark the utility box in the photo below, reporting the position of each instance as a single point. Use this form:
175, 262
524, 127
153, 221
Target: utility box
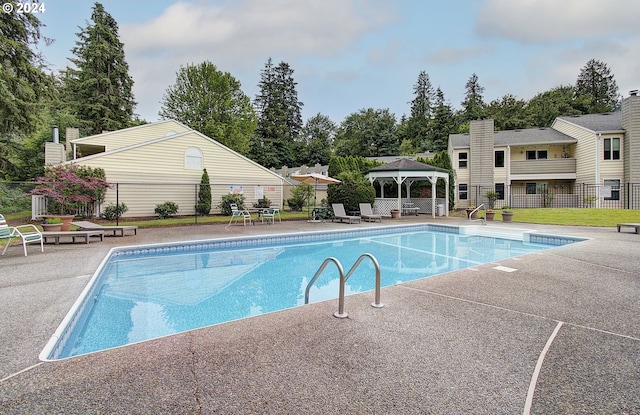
440, 209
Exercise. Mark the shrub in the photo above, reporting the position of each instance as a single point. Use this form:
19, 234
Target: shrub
228, 200
295, 203
166, 210
113, 212
300, 195
262, 203
353, 190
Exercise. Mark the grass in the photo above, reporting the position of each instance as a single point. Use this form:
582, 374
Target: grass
548, 216
571, 216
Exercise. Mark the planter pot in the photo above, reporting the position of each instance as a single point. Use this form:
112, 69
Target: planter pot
474, 216
51, 227
491, 215
66, 220
395, 215
507, 216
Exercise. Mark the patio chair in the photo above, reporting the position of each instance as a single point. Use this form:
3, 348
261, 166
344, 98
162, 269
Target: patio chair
339, 213
236, 214
366, 213
28, 233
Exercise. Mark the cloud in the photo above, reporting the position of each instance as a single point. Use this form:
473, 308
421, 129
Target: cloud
239, 37
450, 56
544, 21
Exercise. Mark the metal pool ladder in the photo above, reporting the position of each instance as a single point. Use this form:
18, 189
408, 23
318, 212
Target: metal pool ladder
343, 279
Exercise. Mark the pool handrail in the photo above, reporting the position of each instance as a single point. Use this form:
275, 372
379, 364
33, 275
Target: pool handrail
343, 279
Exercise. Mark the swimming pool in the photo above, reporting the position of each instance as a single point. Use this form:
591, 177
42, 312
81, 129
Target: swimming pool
146, 292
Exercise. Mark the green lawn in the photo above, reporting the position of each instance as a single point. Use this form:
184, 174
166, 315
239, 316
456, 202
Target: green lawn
578, 217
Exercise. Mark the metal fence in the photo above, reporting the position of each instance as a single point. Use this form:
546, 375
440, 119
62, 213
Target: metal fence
584, 195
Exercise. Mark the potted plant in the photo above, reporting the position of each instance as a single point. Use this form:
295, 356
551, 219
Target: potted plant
490, 214
395, 213
471, 209
507, 214
52, 224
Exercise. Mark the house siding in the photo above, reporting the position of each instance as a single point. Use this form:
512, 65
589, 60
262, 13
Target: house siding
631, 146
159, 174
114, 140
481, 155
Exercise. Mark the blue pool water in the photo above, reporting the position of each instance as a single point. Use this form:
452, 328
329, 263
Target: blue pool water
141, 293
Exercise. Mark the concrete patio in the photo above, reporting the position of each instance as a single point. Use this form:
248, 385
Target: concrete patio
559, 335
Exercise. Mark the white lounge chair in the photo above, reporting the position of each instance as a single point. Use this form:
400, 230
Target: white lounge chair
366, 213
28, 233
340, 214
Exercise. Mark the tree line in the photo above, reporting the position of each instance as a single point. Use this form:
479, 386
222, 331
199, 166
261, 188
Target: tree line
96, 95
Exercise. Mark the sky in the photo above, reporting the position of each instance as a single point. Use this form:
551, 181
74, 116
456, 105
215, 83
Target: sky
350, 55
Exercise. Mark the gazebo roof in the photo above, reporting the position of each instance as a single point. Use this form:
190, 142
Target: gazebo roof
407, 165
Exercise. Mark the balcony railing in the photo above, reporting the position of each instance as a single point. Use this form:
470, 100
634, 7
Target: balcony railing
548, 166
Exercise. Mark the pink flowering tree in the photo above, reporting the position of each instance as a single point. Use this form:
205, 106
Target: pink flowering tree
68, 187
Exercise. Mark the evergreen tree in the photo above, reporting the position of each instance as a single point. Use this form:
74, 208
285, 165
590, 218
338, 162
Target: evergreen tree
419, 123
98, 89
204, 195
279, 116
23, 85
473, 106
595, 84
443, 123
212, 102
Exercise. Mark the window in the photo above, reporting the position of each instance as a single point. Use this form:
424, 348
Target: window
612, 149
499, 188
193, 159
536, 154
462, 160
499, 158
531, 188
611, 190
462, 191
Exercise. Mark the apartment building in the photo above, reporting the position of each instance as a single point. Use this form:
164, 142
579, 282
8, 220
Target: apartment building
580, 161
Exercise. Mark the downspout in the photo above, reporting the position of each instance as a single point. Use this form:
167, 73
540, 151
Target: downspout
598, 143
508, 196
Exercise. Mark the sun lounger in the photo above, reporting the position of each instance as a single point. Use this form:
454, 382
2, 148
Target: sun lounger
108, 230
340, 214
73, 235
366, 213
635, 226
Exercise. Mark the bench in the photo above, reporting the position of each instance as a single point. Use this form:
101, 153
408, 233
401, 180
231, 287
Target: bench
406, 210
82, 235
636, 226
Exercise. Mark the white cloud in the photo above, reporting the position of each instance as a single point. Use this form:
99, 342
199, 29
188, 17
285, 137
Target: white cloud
542, 21
239, 37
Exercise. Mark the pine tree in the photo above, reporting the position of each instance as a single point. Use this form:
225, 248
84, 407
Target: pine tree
418, 124
204, 195
443, 123
473, 105
98, 89
24, 87
597, 88
279, 116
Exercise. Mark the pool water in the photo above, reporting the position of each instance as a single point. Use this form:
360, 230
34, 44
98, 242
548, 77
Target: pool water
146, 294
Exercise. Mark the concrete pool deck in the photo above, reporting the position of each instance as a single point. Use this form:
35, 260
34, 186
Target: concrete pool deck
555, 332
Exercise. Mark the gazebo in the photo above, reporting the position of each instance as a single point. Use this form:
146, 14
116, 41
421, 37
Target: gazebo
408, 171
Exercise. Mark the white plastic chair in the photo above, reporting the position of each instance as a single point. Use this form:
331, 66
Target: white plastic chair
28, 233
236, 214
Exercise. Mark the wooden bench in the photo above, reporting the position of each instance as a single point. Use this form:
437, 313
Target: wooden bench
635, 226
86, 235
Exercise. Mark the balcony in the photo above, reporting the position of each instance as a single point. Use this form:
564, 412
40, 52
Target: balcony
562, 168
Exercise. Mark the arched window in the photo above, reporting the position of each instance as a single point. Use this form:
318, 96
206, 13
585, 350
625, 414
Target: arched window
193, 159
